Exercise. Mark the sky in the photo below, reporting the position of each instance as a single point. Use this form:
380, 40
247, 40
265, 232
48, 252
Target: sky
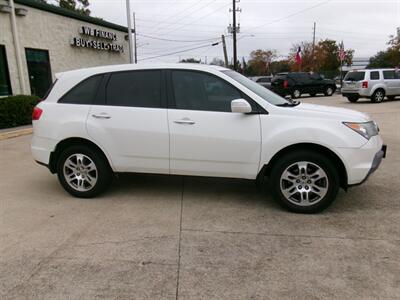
169, 26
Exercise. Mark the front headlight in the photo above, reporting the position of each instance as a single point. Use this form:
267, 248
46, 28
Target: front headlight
367, 129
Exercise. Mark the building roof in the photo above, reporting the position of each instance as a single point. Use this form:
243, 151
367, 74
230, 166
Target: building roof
70, 14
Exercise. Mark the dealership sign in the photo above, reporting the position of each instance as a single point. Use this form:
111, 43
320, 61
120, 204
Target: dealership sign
104, 40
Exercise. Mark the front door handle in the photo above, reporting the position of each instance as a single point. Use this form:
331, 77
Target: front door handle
186, 121
101, 116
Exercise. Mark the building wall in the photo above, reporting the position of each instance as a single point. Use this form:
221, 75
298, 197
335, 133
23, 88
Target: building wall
47, 31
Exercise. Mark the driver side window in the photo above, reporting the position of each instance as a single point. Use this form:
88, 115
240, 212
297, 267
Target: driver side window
200, 91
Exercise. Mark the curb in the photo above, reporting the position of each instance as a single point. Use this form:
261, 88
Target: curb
15, 133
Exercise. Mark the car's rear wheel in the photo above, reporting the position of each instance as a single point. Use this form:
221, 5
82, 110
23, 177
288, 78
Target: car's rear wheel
378, 96
304, 181
296, 93
329, 91
83, 172
352, 98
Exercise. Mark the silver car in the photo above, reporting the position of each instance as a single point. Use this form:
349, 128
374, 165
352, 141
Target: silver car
265, 81
374, 84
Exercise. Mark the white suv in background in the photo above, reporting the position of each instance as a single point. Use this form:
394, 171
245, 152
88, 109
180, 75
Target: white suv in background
203, 121
374, 84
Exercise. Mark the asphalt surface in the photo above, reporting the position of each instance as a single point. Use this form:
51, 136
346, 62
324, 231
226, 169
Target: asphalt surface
161, 237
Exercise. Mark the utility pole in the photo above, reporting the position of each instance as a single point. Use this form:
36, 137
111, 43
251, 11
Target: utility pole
313, 46
224, 49
234, 35
134, 36
128, 15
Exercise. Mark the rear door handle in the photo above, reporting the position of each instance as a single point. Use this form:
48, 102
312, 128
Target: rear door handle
186, 121
101, 116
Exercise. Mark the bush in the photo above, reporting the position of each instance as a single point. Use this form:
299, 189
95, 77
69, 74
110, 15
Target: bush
16, 110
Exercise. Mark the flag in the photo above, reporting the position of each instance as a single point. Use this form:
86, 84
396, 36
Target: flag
342, 53
298, 56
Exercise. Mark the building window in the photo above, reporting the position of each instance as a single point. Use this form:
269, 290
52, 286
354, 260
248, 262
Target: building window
39, 71
5, 86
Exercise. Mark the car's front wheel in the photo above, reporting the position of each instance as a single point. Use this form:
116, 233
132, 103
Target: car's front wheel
329, 91
83, 172
304, 181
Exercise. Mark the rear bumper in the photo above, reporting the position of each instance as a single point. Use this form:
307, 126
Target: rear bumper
359, 93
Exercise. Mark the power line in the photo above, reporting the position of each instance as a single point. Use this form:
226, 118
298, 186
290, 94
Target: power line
292, 14
181, 51
177, 41
185, 16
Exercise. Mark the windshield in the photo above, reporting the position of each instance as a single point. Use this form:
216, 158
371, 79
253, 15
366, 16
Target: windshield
261, 91
354, 76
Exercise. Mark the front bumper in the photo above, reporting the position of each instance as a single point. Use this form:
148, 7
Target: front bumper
381, 154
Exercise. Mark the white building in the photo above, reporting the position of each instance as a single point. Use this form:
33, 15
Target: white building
46, 39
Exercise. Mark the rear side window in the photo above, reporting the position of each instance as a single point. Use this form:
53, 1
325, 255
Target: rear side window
374, 75
354, 76
135, 88
389, 75
84, 92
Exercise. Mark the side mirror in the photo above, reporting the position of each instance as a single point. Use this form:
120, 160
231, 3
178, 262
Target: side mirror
240, 106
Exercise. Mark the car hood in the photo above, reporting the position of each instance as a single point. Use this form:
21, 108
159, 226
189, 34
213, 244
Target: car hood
322, 111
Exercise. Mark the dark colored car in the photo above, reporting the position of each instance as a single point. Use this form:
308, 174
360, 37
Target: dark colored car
297, 83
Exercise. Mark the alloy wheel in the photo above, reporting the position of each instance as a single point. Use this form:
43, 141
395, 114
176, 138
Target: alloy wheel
379, 95
80, 172
304, 183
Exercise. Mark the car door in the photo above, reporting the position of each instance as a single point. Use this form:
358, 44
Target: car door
316, 83
392, 84
129, 121
206, 138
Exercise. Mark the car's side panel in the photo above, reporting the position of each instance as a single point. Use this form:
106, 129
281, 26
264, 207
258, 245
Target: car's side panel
137, 138
57, 122
281, 131
220, 144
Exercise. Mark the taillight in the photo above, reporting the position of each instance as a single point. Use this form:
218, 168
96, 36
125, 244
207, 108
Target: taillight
285, 84
365, 84
37, 112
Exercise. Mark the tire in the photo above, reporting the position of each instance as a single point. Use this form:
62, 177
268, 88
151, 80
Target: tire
296, 93
329, 90
391, 98
292, 193
353, 99
313, 94
378, 96
82, 163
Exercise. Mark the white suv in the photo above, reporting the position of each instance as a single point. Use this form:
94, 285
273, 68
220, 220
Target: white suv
373, 84
199, 120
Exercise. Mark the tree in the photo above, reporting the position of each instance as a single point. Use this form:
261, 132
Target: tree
388, 58
80, 6
191, 60
306, 57
325, 59
260, 61
280, 66
217, 62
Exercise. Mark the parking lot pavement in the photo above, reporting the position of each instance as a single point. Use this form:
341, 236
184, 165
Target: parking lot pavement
161, 237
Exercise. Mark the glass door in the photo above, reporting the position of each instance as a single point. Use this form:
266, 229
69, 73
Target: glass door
39, 71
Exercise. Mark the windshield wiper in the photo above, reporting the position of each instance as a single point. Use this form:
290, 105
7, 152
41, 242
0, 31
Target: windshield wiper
289, 104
